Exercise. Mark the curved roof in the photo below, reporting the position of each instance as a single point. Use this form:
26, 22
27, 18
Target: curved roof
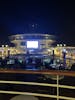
31, 36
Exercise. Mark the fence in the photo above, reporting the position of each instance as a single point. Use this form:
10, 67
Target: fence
42, 72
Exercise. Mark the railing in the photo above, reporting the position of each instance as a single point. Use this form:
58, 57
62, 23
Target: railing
42, 72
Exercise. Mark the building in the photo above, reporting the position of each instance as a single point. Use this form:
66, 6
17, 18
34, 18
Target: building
6, 51
34, 42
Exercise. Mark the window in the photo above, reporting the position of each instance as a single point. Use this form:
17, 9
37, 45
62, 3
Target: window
23, 43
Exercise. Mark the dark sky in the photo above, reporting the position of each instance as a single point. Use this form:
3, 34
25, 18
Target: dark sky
48, 16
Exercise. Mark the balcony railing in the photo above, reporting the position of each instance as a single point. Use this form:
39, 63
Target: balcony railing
41, 72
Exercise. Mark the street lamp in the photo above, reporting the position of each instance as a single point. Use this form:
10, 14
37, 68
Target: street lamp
64, 56
53, 54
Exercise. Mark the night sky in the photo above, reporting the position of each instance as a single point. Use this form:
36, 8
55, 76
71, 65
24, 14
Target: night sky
55, 17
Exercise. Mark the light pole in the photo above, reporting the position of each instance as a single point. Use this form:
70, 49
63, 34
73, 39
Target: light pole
53, 54
64, 57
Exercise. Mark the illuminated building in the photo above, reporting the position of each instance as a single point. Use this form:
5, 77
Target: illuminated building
43, 45
32, 42
5, 51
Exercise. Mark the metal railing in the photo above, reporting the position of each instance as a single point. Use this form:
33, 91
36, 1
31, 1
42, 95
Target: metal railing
42, 72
